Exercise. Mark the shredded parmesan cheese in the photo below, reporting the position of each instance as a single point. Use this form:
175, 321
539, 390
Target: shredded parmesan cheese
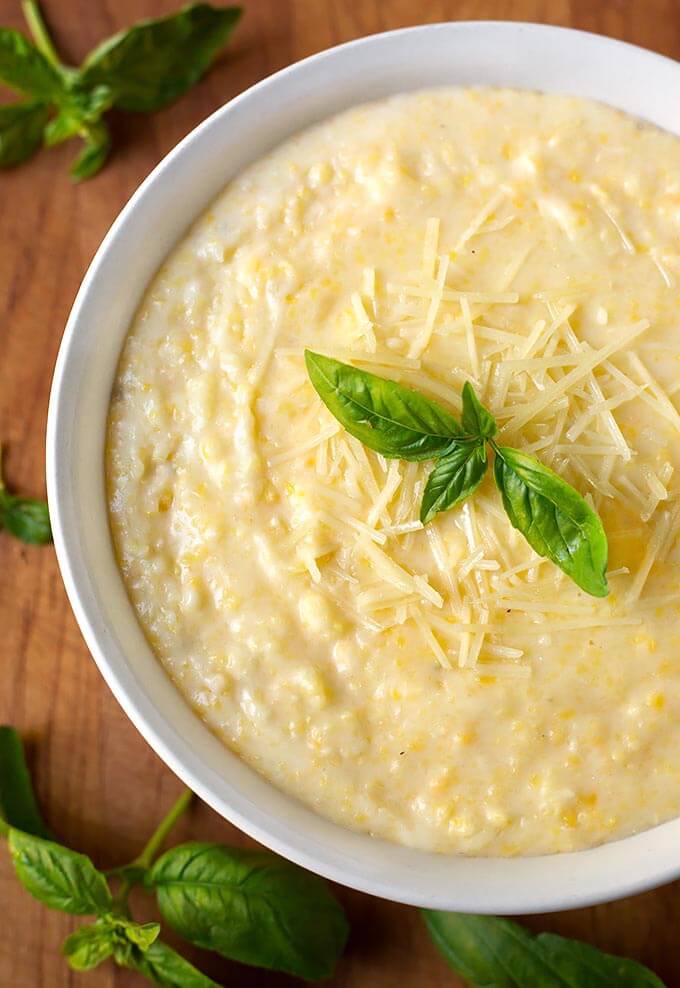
589, 361
423, 339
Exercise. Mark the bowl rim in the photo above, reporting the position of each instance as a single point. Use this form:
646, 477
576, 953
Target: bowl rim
653, 868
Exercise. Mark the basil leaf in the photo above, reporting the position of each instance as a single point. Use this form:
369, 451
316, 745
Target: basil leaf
88, 947
89, 104
21, 130
57, 876
77, 111
92, 944
94, 154
476, 420
395, 421
61, 128
455, 476
26, 518
142, 935
496, 953
17, 799
155, 62
555, 520
24, 68
164, 966
252, 907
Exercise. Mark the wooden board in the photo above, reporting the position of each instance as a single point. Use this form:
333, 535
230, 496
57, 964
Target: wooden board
98, 781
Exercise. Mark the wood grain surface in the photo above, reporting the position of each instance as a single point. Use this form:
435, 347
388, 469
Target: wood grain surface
99, 783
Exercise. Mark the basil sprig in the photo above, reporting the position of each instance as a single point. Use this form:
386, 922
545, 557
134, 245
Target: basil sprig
141, 70
489, 952
249, 906
24, 517
401, 423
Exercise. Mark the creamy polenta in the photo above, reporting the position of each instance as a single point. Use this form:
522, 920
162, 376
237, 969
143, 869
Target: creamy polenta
439, 686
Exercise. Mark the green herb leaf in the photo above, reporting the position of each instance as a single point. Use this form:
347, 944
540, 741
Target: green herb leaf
252, 907
455, 476
57, 876
26, 518
164, 966
94, 154
61, 128
21, 130
76, 112
92, 944
476, 420
17, 799
155, 62
88, 947
555, 520
495, 953
24, 68
395, 421
142, 935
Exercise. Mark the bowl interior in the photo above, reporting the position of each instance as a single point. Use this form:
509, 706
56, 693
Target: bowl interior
474, 53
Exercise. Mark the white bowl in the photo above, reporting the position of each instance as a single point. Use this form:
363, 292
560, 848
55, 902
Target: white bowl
481, 53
